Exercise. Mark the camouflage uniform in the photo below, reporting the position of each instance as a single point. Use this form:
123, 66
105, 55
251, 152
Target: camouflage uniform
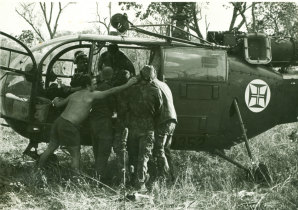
165, 126
144, 101
101, 128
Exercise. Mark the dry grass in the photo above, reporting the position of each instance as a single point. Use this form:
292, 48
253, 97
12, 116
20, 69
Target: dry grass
203, 181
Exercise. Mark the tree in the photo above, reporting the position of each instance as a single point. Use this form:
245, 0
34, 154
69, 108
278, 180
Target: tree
279, 19
183, 13
32, 16
239, 9
26, 37
103, 21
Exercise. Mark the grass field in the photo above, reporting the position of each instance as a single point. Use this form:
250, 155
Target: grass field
203, 181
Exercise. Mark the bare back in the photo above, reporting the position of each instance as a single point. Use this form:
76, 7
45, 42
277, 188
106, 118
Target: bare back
78, 106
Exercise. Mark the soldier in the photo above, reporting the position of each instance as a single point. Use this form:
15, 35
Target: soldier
117, 60
81, 60
144, 102
65, 129
100, 120
164, 128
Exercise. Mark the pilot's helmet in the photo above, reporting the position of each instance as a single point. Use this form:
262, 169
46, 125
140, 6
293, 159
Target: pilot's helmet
148, 73
79, 55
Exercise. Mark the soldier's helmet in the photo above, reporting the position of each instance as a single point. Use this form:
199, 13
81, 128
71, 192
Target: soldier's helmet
148, 73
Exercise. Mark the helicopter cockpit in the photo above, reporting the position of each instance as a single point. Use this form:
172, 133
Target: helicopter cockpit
26, 75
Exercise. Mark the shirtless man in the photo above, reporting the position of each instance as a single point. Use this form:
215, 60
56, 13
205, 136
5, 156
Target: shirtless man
65, 129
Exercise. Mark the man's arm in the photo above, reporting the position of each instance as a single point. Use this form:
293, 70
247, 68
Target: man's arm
58, 102
103, 94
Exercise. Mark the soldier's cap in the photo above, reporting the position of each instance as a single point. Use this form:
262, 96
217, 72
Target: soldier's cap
79, 55
107, 73
148, 73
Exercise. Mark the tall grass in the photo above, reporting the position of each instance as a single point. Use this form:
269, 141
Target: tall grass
203, 181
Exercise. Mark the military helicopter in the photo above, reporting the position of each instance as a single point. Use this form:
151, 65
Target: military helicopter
226, 90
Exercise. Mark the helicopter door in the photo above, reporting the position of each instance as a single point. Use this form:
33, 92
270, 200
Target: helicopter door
17, 79
197, 78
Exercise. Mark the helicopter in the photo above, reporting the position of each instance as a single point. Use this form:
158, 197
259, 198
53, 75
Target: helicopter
226, 89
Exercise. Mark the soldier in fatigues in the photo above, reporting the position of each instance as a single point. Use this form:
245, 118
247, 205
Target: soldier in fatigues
144, 102
164, 128
101, 127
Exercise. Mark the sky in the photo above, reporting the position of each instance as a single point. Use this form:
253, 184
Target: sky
79, 16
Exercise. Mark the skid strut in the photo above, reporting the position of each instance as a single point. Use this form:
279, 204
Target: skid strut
243, 129
222, 155
257, 172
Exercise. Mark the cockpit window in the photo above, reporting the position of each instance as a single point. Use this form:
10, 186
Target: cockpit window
195, 64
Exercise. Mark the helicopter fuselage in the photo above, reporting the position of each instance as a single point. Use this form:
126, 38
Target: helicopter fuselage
204, 102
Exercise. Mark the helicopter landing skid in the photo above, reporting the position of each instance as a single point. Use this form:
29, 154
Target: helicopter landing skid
258, 172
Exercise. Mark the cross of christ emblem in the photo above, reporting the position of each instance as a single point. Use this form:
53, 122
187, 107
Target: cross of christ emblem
258, 95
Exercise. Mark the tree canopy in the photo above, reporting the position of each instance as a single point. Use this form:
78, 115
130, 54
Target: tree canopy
273, 18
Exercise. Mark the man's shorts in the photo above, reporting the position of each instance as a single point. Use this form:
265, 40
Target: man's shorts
65, 133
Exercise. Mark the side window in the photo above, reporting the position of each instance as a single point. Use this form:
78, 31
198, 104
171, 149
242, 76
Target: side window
195, 64
16, 96
17, 73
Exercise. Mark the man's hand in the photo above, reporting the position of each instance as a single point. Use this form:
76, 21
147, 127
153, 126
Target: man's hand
55, 101
132, 81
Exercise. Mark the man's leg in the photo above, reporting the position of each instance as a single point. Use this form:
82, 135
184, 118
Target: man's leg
69, 135
104, 138
162, 149
159, 152
53, 144
145, 152
75, 157
94, 126
133, 152
169, 157
50, 150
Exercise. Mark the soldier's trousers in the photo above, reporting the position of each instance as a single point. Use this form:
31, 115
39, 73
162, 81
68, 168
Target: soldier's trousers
161, 149
140, 145
102, 141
